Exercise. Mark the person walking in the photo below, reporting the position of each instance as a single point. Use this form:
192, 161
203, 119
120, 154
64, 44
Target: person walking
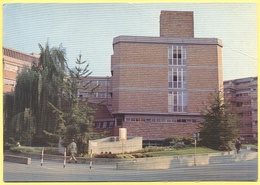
238, 145
73, 151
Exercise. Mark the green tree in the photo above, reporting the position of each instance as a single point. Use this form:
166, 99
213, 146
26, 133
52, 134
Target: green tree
52, 70
27, 107
77, 119
220, 125
19, 108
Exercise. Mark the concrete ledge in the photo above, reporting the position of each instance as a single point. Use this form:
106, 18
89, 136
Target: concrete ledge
184, 161
17, 159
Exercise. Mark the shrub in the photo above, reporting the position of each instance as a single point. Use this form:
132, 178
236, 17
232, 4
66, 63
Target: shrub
167, 141
22, 149
178, 146
141, 155
125, 156
138, 155
150, 149
187, 140
7, 146
106, 155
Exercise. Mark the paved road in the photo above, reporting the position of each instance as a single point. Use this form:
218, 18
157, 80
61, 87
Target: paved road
53, 171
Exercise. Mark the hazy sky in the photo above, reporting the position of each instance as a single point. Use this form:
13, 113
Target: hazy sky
89, 29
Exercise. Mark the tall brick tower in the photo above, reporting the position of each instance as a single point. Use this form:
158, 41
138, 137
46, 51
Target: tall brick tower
176, 24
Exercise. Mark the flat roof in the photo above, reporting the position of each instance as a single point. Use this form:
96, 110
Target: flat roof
168, 40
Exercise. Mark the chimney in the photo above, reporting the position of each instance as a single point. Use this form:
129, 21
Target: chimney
176, 24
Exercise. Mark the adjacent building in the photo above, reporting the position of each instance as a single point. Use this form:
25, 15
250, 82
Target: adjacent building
243, 95
13, 62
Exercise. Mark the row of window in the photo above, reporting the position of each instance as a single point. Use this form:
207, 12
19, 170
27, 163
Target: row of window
177, 74
160, 120
10, 67
96, 82
240, 104
9, 82
241, 94
248, 113
95, 95
104, 124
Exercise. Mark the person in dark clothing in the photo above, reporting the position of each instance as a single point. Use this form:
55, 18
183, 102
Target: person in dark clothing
238, 146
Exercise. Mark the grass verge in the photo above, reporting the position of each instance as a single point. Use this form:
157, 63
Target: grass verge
184, 151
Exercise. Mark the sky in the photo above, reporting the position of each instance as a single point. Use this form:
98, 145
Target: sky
89, 28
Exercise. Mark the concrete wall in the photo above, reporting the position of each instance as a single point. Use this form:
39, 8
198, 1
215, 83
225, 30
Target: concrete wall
113, 145
182, 161
17, 159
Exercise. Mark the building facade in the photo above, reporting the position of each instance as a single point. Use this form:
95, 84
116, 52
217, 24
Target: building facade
13, 62
243, 95
158, 84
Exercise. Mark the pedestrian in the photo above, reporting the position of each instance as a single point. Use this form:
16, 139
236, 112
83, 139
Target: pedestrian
238, 145
72, 148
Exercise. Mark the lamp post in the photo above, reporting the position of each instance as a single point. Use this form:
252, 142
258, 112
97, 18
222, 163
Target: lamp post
196, 137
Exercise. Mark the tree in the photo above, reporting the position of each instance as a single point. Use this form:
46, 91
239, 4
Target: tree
27, 107
220, 125
75, 122
19, 107
52, 70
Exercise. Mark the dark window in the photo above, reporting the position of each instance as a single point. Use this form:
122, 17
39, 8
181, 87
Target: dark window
119, 122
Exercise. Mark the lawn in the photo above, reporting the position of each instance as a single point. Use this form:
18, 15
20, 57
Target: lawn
184, 151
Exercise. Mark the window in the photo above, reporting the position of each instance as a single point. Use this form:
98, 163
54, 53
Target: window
239, 104
177, 55
97, 125
119, 122
105, 124
111, 124
177, 101
177, 78
10, 67
101, 95
9, 82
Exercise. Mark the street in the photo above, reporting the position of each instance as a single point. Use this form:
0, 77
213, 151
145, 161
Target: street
52, 171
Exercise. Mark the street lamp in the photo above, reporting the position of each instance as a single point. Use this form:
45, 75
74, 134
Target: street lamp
196, 137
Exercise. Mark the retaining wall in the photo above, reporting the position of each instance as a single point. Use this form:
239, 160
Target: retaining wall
17, 159
184, 161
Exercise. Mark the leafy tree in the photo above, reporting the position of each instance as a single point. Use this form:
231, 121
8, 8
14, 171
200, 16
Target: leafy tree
19, 106
26, 109
220, 125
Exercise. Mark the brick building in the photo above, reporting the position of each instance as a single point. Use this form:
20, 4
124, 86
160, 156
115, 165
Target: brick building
13, 62
158, 84
243, 95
